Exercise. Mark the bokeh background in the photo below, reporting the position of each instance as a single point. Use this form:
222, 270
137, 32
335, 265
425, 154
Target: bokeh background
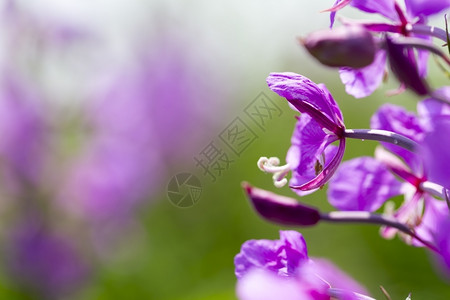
104, 101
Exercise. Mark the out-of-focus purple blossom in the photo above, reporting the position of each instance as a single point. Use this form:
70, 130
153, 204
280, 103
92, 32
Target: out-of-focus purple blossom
281, 269
22, 130
311, 157
146, 115
44, 262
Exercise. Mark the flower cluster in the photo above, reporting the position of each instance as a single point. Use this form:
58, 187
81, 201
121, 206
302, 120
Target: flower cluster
412, 160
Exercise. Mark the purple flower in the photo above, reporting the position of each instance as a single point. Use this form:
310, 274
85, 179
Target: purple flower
45, 262
311, 157
281, 269
366, 183
363, 82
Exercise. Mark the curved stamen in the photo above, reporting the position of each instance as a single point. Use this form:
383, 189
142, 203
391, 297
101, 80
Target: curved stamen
382, 136
271, 165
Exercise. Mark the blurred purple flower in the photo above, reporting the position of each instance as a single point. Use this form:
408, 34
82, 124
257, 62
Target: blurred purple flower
311, 157
45, 263
22, 128
281, 269
144, 117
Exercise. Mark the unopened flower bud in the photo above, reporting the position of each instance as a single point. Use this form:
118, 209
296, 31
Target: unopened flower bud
347, 46
280, 209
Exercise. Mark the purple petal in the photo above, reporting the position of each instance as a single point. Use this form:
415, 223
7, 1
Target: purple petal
436, 154
396, 119
333, 104
403, 65
327, 171
308, 145
281, 209
435, 210
298, 89
432, 111
281, 257
383, 7
363, 82
362, 184
442, 240
335, 277
263, 285
416, 8
338, 5
298, 180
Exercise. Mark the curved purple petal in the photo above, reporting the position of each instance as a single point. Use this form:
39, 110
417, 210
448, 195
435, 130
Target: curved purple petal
383, 7
362, 184
396, 119
431, 111
338, 5
281, 257
435, 210
307, 155
442, 241
436, 154
298, 89
327, 171
300, 177
363, 82
333, 104
416, 8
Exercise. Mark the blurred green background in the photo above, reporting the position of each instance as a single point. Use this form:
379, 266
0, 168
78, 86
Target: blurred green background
187, 253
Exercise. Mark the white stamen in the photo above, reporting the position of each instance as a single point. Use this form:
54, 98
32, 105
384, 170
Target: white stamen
271, 165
